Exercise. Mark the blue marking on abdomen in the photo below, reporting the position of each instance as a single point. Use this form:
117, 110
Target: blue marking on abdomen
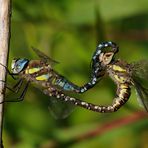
66, 85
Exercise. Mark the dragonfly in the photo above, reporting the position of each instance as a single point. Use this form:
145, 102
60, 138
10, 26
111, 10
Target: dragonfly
42, 73
125, 75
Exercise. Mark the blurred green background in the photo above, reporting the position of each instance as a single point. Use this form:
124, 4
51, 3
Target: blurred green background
69, 31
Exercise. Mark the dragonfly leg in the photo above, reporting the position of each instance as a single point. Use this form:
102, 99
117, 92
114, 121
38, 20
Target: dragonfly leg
16, 87
21, 97
117, 103
11, 74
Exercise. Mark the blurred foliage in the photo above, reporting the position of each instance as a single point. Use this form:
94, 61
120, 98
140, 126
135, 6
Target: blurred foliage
68, 31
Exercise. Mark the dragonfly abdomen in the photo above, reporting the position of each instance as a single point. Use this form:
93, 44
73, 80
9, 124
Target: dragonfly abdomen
65, 84
123, 93
122, 96
77, 102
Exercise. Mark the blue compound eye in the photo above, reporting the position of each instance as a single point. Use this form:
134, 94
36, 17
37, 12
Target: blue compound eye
18, 65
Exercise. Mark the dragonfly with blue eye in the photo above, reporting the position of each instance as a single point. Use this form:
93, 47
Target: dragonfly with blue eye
54, 85
42, 73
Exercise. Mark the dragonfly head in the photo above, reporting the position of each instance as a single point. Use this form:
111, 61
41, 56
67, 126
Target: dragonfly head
18, 65
105, 52
103, 56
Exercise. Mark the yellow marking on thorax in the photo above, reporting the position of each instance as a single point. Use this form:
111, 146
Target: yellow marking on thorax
42, 77
118, 68
32, 70
120, 79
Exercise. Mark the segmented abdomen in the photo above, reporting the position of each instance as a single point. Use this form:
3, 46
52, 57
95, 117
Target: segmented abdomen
123, 93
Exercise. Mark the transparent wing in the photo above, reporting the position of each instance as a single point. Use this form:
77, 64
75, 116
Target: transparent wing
142, 94
44, 57
59, 109
140, 71
140, 78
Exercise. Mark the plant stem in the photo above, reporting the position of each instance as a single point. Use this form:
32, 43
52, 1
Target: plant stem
4, 45
106, 127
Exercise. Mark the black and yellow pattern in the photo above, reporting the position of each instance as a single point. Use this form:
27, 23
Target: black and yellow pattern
53, 84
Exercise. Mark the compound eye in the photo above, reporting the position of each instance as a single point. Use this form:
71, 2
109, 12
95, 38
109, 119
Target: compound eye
18, 65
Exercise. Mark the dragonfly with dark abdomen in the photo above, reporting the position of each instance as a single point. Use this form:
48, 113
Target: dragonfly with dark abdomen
124, 75
54, 85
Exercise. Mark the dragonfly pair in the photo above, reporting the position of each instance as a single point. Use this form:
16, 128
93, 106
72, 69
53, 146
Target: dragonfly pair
103, 62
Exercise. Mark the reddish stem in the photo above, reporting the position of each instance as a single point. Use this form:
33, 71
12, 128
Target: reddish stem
111, 125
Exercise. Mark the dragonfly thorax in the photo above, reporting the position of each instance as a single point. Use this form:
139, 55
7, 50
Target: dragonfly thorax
18, 65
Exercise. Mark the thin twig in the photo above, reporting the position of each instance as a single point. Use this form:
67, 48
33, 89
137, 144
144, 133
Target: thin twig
114, 124
4, 45
100, 130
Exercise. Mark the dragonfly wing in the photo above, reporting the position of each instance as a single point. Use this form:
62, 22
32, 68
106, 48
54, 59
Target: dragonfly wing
142, 94
140, 70
59, 109
44, 57
140, 78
